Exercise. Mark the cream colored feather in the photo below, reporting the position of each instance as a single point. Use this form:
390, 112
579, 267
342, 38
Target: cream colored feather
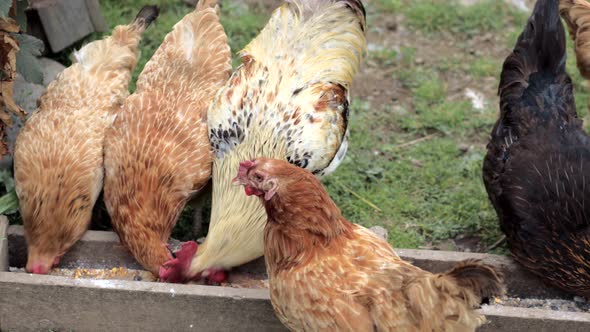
291, 93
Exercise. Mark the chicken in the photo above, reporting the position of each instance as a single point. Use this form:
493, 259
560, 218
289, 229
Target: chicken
327, 274
288, 100
157, 152
539, 156
58, 155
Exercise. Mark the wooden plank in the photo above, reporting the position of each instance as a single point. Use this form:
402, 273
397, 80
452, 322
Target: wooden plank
31, 302
96, 17
28, 301
64, 21
520, 283
534, 320
3, 243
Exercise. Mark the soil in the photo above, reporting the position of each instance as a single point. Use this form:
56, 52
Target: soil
376, 82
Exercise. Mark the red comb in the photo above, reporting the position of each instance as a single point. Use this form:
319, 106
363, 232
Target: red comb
244, 167
175, 270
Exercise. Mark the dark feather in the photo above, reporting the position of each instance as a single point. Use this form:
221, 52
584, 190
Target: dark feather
538, 155
146, 16
484, 280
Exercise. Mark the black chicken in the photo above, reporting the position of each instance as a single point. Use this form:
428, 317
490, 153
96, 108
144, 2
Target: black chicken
537, 169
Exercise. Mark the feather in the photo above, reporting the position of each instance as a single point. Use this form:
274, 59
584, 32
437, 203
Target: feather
58, 157
288, 100
327, 274
157, 152
291, 92
537, 135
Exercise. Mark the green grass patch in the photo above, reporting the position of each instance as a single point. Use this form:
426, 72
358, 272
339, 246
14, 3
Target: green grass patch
485, 67
440, 15
389, 5
434, 112
430, 91
412, 77
385, 56
448, 64
427, 192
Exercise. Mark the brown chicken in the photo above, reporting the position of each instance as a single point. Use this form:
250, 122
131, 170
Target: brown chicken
327, 274
58, 157
157, 152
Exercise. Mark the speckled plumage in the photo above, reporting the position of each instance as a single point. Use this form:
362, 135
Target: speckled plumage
157, 151
58, 157
288, 100
539, 157
327, 274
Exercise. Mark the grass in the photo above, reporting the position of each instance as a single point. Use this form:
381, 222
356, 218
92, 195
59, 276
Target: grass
413, 166
427, 192
438, 15
485, 67
389, 5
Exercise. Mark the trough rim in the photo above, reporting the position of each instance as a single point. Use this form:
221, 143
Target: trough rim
489, 311
136, 286
194, 290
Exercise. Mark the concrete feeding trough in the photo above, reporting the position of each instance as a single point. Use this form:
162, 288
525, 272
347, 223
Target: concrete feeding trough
34, 302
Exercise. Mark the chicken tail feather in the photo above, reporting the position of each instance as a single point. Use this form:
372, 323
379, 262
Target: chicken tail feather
196, 50
535, 89
145, 17
482, 279
450, 297
325, 49
540, 48
119, 51
308, 7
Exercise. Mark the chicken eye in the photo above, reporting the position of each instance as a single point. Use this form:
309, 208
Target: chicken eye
258, 177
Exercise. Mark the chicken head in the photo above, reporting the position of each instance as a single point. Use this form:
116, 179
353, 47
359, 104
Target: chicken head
257, 178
